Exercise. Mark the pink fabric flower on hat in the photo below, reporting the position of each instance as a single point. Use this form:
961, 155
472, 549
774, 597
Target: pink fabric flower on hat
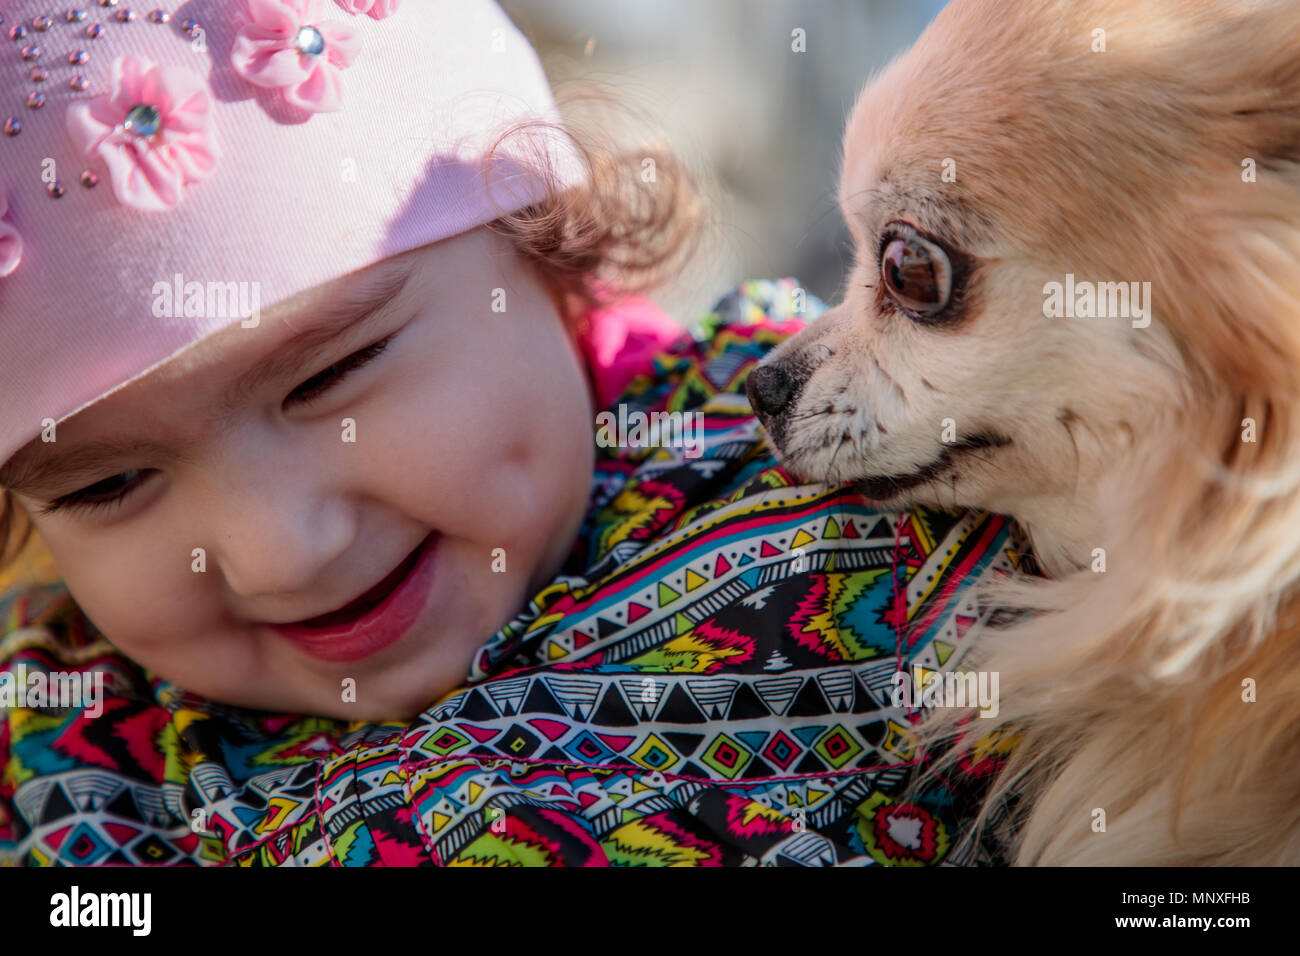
154, 132
11, 243
376, 8
282, 45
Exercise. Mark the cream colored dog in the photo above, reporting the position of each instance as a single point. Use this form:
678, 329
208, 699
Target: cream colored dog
1076, 301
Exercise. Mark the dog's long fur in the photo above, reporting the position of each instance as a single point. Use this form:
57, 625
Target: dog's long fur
1124, 690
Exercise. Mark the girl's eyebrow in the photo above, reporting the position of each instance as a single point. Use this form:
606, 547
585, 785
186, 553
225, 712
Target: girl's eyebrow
27, 472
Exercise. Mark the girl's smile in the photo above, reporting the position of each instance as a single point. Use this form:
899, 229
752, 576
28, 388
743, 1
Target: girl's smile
379, 617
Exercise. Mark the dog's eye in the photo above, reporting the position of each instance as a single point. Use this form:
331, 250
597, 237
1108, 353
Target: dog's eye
916, 273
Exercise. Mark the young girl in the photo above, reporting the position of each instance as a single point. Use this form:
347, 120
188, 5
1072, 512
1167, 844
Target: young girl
391, 527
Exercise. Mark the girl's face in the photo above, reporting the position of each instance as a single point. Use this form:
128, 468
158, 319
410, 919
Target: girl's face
454, 420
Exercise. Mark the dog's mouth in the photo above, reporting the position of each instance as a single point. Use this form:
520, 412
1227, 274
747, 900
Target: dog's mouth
881, 487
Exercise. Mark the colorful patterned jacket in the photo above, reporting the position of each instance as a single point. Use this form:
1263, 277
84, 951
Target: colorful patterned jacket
708, 683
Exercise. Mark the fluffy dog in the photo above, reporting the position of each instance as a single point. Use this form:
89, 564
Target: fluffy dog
1000, 181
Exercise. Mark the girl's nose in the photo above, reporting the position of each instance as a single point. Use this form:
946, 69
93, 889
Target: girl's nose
277, 521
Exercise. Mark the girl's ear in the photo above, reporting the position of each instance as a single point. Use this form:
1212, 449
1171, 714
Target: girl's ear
573, 315
573, 312
571, 309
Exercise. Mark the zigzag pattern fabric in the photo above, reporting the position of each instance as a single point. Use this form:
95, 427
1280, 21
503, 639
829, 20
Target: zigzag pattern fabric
708, 684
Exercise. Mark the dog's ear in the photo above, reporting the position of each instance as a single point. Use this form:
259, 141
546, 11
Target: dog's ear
1222, 248
1263, 51
1231, 279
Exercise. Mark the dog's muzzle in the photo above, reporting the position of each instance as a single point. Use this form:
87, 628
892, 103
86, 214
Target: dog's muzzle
770, 389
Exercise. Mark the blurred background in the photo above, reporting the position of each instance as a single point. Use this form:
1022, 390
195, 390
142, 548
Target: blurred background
757, 123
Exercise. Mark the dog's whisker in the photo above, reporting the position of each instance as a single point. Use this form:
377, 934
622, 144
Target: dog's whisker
830, 208
888, 378
830, 469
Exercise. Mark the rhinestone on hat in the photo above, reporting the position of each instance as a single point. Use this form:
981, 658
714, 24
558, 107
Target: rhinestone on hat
309, 41
143, 120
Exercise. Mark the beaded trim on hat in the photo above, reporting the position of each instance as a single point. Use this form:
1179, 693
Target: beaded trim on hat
152, 132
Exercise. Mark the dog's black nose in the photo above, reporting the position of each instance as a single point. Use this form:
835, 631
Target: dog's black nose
770, 388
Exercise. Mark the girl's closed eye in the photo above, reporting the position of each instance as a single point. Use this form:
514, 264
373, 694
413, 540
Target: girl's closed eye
102, 494
112, 491
322, 381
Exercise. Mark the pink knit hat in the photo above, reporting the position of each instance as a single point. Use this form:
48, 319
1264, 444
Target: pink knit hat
276, 144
